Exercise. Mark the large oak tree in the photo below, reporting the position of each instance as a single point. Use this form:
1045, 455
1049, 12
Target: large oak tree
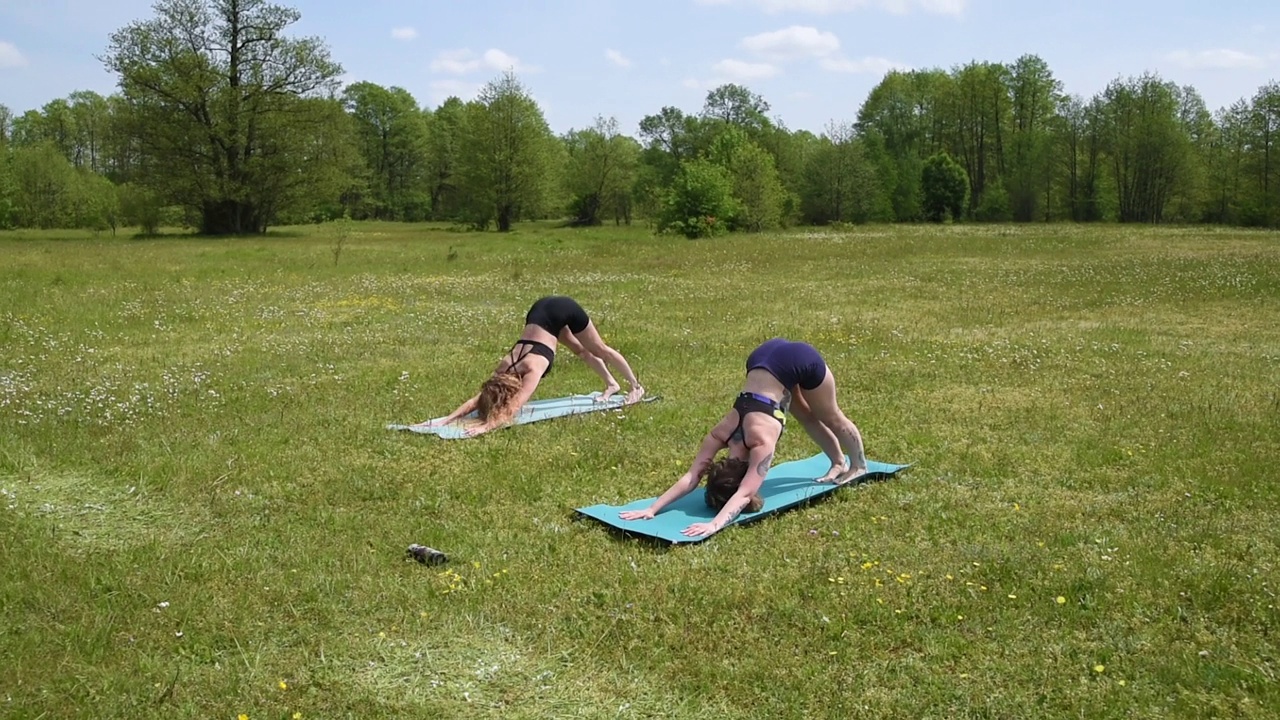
227, 109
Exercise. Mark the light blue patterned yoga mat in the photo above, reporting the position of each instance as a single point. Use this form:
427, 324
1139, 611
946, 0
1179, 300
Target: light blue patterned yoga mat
534, 411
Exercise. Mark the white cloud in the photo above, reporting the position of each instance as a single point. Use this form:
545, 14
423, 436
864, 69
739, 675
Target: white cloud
464, 62
1221, 59
617, 58
10, 56
867, 65
830, 7
797, 41
693, 83
741, 71
404, 33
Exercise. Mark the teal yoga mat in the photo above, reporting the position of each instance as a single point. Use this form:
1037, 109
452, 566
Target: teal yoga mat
785, 486
532, 412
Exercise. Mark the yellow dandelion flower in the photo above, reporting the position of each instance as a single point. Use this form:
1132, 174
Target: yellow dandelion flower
475, 563
282, 685
1099, 668
959, 617
1122, 683
949, 577
1061, 600
1016, 507
242, 716
983, 587
382, 635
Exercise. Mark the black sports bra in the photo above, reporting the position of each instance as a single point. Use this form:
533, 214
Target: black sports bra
533, 347
748, 403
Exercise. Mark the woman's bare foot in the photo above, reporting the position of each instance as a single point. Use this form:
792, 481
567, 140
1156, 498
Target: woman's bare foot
609, 391
831, 475
636, 393
851, 474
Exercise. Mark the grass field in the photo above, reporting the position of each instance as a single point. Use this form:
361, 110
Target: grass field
203, 516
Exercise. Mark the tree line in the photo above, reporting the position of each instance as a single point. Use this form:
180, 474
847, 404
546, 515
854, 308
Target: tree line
227, 124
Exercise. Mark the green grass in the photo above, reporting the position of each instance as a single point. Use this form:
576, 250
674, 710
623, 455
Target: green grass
1093, 414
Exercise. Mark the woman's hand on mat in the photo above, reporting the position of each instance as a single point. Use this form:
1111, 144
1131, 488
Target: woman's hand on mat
699, 529
477, 430
646, 514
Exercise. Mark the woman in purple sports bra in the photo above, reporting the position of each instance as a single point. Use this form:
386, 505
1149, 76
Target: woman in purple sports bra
782, 376
551, 320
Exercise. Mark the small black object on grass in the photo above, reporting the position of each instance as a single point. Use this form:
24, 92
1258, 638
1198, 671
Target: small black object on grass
426, 555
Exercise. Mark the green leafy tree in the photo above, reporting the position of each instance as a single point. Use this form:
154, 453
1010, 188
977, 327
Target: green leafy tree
699, 200
600, 172
945, 188
140, 207
1035, 96
391, 133
221, 99
445, 134
1077, 133
758, 193
1225, 164
96, 202
91, 118
975, 118
901, 124
1263, 164
26, 129
6, 126
1147, 146
44, 186
736, 105
840, 183
669, 137
509, 156
7, 189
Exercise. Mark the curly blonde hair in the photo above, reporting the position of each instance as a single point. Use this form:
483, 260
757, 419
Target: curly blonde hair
497, 395
723, 478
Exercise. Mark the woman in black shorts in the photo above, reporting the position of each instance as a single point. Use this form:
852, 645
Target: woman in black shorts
782, 376
551, 320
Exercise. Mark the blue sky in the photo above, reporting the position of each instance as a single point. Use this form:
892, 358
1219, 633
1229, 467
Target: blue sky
813, 60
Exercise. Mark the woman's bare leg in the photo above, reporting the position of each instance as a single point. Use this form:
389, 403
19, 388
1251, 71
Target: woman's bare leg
821, 434
822, 402
594, 344
597, 365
